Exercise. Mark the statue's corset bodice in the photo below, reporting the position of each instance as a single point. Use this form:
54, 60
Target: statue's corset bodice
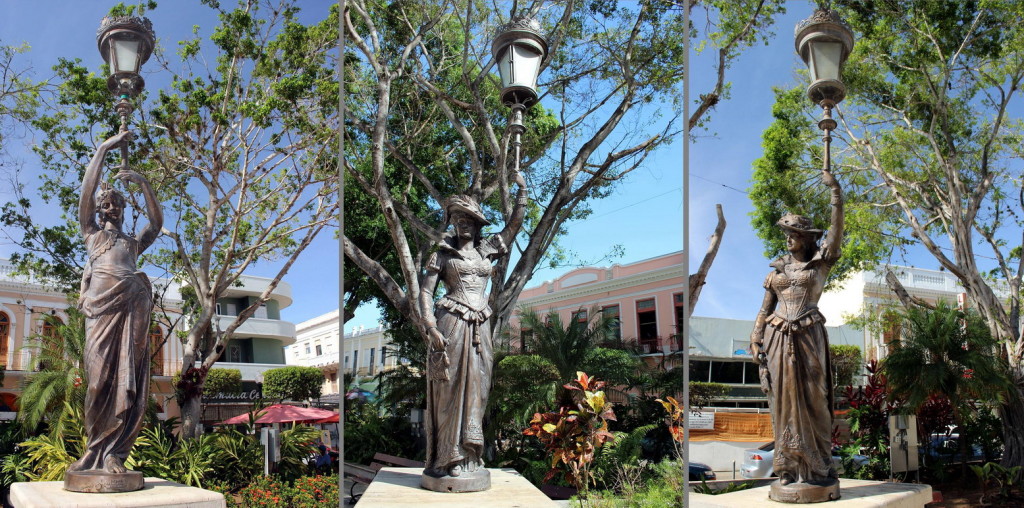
798, 287
466, 280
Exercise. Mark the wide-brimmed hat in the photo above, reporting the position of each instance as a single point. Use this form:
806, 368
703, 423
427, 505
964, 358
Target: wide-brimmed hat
467, 205
798, 223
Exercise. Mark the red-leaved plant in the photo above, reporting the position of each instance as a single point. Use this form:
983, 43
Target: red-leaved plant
572, 435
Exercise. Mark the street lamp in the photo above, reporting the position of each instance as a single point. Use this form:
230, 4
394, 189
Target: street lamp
519, 48
824, 41
125, 43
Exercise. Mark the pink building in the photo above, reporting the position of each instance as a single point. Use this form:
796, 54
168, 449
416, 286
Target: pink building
647, 297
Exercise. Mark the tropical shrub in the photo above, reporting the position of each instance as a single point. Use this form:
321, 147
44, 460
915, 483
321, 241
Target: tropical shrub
266, 492
870, 407
571, 436
49, 455
316, 492
370, 429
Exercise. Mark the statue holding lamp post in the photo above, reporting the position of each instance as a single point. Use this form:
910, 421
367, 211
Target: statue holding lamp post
789, 341
116, 298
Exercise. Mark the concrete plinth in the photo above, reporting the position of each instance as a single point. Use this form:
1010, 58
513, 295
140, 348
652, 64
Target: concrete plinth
853, 494
156, 493
400, 486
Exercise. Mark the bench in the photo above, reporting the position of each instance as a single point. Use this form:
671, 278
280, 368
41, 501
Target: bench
359, 473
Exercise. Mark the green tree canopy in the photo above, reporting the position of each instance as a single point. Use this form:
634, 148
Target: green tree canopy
293, 383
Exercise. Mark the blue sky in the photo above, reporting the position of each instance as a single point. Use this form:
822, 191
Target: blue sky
59, 28
644, 215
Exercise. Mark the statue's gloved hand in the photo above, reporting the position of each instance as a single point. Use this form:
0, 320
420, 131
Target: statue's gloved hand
117, 139
130, 176
755, 349
437, 340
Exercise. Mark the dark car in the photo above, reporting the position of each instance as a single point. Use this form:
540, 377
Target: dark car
700, 472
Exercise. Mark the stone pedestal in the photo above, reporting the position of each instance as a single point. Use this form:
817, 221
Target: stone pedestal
400, 487
156, 493
853, 494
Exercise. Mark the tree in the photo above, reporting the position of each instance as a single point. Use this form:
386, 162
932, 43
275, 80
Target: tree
569, 346
293, 383
19, 95
944, 352
846, 363
424, 123
929, 125
241, 149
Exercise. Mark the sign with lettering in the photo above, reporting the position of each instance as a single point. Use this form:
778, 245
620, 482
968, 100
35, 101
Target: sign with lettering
251, 391
704, 420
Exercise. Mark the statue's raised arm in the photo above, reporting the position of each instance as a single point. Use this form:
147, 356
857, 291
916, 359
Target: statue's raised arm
87, 207
831, 248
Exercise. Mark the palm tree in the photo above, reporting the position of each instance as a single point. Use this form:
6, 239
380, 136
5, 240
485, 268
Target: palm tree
566, 347
60, 376
949, 352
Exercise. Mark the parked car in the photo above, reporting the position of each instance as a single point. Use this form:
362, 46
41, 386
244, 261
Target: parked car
757, 462
947, 447
700, 472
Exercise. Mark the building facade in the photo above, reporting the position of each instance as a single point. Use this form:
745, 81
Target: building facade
257, 346
645, 297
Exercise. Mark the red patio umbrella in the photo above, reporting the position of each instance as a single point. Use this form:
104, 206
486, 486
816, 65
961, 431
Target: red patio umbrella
283, 413
330, 419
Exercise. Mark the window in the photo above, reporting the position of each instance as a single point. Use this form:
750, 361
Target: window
355, 359
234, 353
50, 325
677, 299
646, 321
751, 374
700, 370
307, 349
346, 360
525, 338
580, 316
261, 312
727, 372
372, 351
5, 332
612, 312
156, 343
319, 350
383, 355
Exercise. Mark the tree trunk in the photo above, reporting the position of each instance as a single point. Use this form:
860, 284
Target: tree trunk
191, 414
1012, 415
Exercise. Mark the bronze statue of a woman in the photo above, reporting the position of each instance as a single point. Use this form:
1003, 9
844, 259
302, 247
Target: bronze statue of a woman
117, 301
460, 355
790, 345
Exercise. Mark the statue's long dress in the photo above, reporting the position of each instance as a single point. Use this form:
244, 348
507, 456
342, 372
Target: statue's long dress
797, 374
457, 393
117, 302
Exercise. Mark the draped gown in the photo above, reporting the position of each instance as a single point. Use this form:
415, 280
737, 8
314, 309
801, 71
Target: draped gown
797, 374
117, 301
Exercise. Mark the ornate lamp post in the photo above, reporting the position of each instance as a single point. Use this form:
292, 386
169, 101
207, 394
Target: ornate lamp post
125, 43
824, 41
519, 49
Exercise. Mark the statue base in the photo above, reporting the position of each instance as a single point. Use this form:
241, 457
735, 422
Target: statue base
802, 493
475, 481
99, 481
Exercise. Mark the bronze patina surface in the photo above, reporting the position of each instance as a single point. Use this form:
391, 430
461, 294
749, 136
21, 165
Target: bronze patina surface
790, 345
460, 354
117, 301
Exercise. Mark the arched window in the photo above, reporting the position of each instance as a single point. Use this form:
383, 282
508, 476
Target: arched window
5, 334
50, 326
156, 343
